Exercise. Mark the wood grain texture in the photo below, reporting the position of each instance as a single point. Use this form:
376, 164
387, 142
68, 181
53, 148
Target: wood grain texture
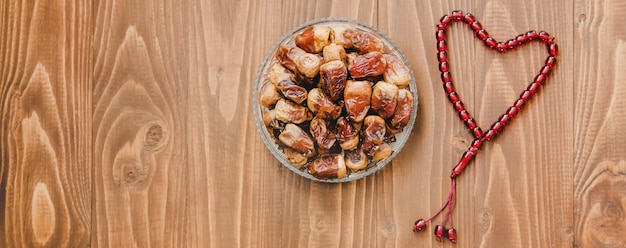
139, 125
129, 124
599, 97
45, 149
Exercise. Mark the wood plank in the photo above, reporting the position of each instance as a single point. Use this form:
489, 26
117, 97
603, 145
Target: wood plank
45, 118
501, 198
139, 116
531, 160
238, 186
599, 135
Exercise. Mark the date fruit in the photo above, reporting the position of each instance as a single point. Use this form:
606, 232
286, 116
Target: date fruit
333, 77
268, 95
334, 52
356, 97
384, 99
328, 166
297, 139
347, 134
289, 112
403, 110
313, 38
287, 55
368, 65
373, 133
294, 157
396, 71
321, 105
356, 159
322, 133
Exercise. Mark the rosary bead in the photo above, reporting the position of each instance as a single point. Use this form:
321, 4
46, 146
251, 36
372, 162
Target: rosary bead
511, 44
533, 87
553, 49
452, 235
453, 97
489, 135
443, 56
439, 232
550, 61
545, 70
469, 18
458, 105
512, 111
478, 132
471, 123
448, 87
497, 127
445, 20
467, 156
419, 225
539, 79
482, 34
476, 143
441, 45
532, 34
457, 15
464, 115
525, 95
543, 35
520, 39
504, 119
441, 35
519, 103
501, 46
490, 42
446, 77
476, 26
443, 67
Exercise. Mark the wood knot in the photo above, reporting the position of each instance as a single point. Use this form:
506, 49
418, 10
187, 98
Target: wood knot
129, 171
155, 136
461, 141
133, 173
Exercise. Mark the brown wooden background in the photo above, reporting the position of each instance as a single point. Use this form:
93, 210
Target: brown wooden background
128, 123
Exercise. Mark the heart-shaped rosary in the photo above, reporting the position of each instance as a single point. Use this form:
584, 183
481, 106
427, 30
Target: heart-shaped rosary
480, 137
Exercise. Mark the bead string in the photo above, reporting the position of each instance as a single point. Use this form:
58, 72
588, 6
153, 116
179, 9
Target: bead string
479, 136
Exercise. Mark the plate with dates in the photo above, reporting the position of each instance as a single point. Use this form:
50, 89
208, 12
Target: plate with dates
334, 100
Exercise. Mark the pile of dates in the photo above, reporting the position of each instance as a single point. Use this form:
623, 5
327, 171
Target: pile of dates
335, 100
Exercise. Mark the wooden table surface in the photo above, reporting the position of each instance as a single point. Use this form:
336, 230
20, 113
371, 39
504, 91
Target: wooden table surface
129, 124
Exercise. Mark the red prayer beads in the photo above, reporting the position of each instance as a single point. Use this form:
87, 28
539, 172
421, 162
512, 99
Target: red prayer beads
480, 137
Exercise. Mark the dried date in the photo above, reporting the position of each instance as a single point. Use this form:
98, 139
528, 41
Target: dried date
268, 95
321, 105
328, 166
297, 139
384, 99
287, 55
356, 159
356, 97
313, 38
322, 133
333, 77
396, 71
373, 133
368, 65
289, 112
402, 114
347, 134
